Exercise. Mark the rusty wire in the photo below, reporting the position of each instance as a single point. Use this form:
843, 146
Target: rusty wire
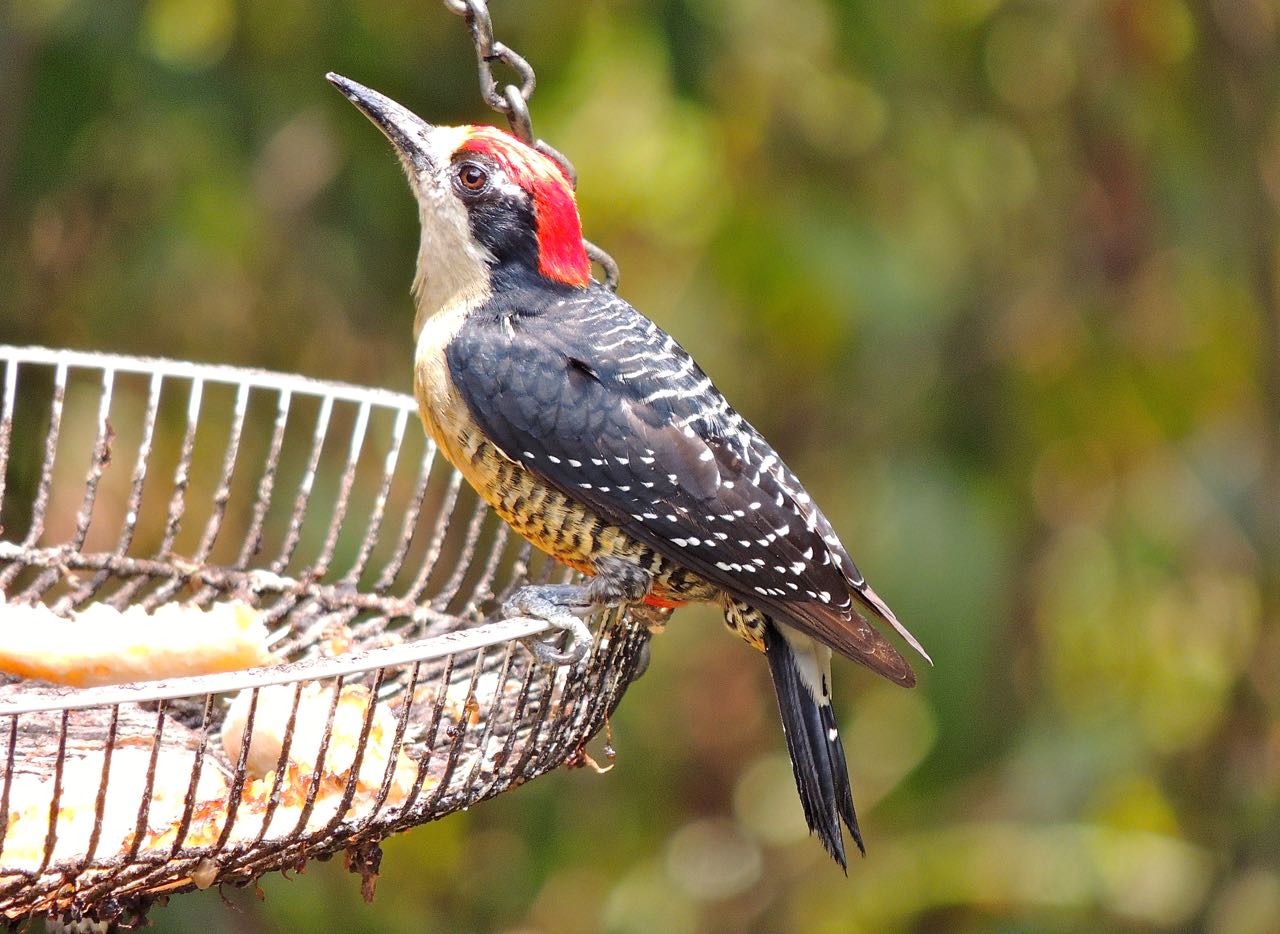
512, 101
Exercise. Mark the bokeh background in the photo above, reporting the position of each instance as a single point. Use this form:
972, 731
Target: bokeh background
998, 278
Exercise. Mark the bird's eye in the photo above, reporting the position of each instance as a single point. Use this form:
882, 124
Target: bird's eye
472, 177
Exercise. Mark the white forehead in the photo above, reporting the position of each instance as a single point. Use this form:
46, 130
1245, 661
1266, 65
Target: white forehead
442, 142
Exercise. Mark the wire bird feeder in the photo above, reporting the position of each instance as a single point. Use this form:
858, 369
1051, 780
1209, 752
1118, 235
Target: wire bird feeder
320, 510
309, 579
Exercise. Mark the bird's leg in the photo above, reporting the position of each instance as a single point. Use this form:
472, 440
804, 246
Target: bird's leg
563, 605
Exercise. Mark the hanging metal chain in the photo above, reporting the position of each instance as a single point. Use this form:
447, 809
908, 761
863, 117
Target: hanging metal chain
512, 101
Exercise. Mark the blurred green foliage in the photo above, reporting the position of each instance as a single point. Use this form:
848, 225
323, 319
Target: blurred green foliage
999, 279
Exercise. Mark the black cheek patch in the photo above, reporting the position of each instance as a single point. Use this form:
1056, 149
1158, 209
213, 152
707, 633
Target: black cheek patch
506, 227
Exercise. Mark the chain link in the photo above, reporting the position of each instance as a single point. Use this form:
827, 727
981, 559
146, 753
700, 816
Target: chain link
512, 101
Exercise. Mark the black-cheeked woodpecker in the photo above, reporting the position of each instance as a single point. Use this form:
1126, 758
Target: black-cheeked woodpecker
601, 441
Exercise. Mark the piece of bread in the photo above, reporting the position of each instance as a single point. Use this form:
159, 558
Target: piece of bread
103, 645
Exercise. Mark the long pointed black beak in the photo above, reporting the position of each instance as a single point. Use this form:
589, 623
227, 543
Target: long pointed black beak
406, 130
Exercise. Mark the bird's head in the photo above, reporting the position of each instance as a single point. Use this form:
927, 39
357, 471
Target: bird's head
489, 205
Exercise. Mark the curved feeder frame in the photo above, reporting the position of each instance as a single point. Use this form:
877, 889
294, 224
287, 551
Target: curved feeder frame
134, 482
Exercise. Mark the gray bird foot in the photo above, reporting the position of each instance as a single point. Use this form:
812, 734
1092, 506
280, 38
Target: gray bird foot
563, 605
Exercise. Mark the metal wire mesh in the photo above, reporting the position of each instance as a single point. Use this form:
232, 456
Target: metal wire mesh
129, 482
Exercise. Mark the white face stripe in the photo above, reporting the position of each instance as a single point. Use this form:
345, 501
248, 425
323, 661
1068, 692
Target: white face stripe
453, 269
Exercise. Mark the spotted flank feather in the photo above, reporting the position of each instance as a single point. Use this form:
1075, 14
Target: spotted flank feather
588, 394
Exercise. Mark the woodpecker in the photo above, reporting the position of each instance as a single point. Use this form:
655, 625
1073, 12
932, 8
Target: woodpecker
598, 438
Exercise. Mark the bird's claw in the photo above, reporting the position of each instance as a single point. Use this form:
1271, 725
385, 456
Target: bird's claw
548, 656
563, 605
559, 605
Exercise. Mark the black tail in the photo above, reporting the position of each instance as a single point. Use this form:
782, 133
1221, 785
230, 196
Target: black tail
817, 757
